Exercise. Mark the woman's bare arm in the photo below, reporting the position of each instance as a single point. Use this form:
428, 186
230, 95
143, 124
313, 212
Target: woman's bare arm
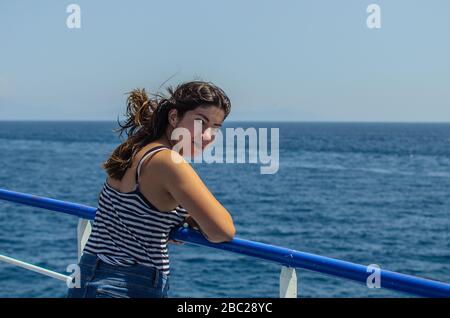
186, 187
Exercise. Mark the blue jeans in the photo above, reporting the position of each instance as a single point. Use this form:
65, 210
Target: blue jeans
101, 280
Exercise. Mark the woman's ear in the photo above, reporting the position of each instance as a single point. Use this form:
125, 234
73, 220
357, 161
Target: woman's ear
173, 117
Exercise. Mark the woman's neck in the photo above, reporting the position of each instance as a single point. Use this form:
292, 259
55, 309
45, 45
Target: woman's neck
164, 140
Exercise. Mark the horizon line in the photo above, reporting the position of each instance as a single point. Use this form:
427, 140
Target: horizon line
245, 121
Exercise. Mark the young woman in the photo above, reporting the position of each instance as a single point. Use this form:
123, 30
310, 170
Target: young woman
149, 191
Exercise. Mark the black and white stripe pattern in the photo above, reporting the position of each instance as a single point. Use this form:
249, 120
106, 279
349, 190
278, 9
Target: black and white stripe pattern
128, 229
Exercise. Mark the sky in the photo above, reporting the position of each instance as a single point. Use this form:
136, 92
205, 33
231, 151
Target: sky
283, 60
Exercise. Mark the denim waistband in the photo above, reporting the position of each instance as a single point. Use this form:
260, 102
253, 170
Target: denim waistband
149, 272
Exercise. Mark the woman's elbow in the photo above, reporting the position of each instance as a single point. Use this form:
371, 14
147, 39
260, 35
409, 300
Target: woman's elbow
225, 236
230, 236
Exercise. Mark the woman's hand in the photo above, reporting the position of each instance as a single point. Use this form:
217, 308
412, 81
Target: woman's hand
192, 224
175, 242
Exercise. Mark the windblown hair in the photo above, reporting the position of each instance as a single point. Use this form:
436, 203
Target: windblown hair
147, 119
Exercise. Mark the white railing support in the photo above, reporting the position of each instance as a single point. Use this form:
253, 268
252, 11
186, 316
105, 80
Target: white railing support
83, 231
288, 282
35, 268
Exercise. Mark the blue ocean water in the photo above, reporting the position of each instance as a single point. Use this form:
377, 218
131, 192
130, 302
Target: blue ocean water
370, 193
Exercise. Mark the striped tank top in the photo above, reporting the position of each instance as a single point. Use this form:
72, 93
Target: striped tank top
129, 230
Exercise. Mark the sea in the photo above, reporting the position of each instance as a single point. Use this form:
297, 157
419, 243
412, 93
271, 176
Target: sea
368, 193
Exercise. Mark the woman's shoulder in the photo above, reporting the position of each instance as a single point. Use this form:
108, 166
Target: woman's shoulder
165, 161
153, 150
167, 158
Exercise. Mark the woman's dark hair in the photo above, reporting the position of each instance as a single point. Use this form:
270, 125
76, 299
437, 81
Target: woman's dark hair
147, 119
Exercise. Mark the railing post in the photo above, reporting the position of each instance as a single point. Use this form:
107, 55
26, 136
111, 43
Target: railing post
288, 282
83, 232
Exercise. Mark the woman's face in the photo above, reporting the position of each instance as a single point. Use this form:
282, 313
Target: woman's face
202, 124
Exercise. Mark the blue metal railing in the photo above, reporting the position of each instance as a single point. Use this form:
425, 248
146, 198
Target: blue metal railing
286, 257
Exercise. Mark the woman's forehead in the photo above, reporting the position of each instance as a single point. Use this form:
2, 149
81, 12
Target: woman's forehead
212, 113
